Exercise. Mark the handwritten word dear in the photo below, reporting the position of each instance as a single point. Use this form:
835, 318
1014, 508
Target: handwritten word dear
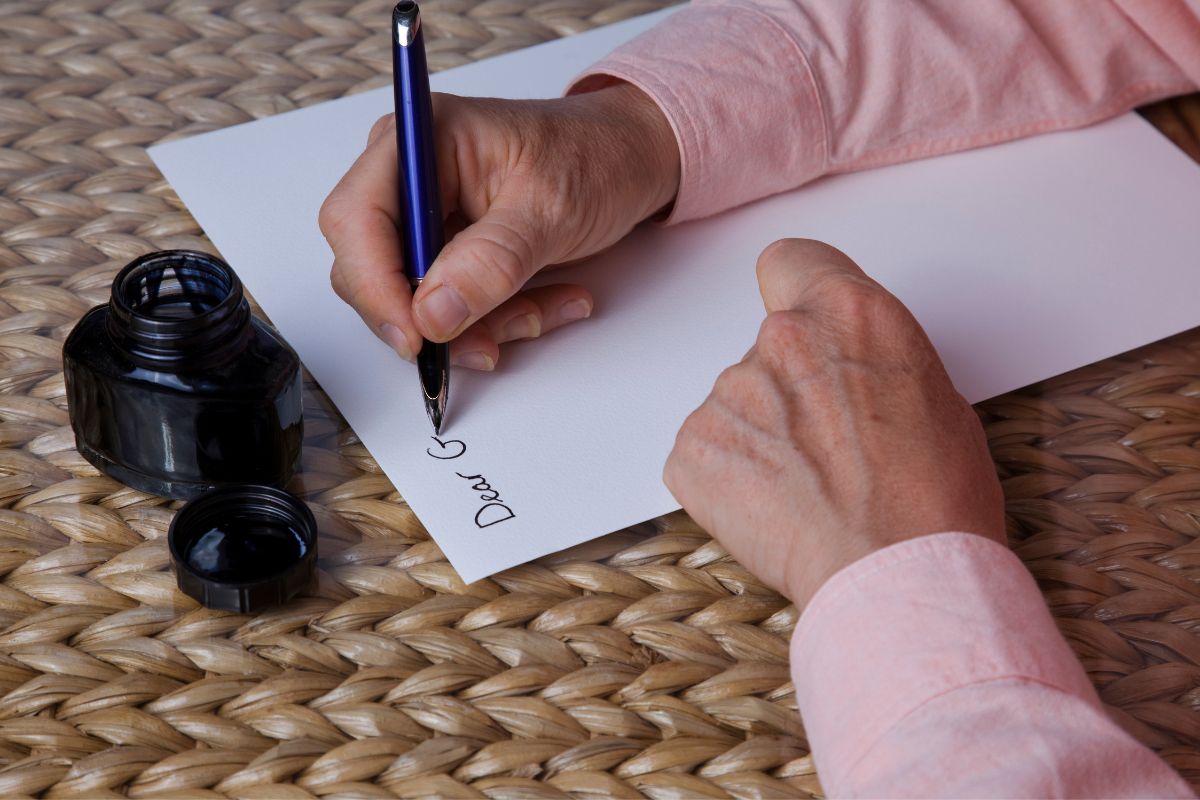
492, 510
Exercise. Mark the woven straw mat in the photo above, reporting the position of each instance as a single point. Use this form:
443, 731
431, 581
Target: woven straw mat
646, 663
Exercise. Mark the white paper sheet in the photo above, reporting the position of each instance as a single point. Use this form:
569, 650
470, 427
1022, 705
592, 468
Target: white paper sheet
1022, 261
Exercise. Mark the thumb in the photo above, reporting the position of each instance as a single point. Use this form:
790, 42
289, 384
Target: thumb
792, 272
480, 268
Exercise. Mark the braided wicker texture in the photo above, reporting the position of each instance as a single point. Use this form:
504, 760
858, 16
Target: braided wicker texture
646, 663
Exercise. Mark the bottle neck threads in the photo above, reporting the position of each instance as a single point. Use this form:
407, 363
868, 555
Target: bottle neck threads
178, 306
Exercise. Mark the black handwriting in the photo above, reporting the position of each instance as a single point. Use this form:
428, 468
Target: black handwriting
454, 446
493, 510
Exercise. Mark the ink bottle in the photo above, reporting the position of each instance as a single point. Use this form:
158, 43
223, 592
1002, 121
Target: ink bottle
243, 548
174, 388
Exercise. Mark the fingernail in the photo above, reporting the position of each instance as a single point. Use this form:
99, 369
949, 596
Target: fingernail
442, 310
526, 326
576, 310
396, 338
476, 360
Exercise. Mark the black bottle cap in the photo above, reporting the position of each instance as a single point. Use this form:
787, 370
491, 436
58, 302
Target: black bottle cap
243, 548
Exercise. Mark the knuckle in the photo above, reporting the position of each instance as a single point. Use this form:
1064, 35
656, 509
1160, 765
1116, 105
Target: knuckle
729, 381
688, 441
338, 282
331, 214
324, 216
350, 289
446, 106
671, 474
851, 296
693, 426
737, 389
782, 333
351, 298
502, 258
508, 266
673, 469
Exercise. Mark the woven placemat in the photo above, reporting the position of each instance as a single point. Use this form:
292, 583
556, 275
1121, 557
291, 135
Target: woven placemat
646, 663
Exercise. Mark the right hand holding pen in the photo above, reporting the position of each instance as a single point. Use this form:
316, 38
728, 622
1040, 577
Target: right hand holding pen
536, 183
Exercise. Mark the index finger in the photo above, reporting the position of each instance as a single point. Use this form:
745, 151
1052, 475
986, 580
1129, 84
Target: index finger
358, 220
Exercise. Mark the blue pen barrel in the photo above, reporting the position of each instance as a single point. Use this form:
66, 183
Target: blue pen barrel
420, 204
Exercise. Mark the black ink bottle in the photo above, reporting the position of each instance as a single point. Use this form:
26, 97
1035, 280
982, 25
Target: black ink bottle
243, 548
175, 389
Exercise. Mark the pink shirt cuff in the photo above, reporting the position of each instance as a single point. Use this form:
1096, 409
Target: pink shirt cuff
914, 621
932, 668
697, 67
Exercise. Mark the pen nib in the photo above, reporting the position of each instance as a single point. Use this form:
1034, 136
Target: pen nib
435, 415
433, 363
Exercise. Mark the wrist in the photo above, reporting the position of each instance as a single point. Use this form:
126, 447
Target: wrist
803, 581
649, 142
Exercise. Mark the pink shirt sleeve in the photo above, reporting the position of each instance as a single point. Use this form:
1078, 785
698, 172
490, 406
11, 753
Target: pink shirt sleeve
932, 668
765, 95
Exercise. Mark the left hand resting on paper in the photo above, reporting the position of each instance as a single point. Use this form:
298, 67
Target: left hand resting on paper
837, 435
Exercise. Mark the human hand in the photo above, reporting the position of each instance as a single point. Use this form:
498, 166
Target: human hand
534, 182
837, 435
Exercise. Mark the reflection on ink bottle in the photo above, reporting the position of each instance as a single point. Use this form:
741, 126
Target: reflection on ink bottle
175, 389
243, 547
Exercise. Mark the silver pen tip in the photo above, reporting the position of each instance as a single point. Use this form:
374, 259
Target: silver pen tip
435, 407
433, 366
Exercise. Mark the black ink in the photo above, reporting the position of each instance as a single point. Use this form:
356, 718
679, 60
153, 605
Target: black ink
175, 389
493, 510
480, 514
480, 484
462, 448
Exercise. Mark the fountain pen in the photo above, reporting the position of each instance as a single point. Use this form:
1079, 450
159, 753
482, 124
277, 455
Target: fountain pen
421, 232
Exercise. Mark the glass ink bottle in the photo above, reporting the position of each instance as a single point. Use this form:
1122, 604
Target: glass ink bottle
174, 388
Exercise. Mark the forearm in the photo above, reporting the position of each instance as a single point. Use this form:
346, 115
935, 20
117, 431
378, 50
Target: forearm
766, 96
933, 668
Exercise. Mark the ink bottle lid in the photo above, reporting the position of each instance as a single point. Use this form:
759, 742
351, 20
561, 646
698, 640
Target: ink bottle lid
243, 548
